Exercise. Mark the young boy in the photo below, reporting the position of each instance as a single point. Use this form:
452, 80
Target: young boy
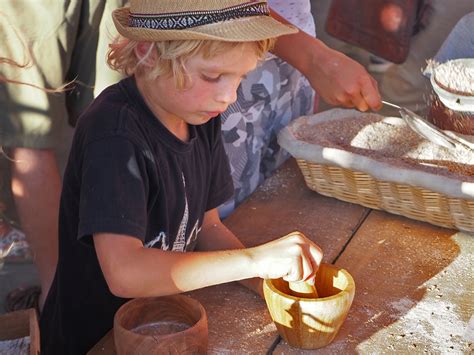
147, 170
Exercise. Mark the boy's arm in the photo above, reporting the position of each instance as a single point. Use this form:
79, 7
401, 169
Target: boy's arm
131, 270
337, 78
134, 271
215, 235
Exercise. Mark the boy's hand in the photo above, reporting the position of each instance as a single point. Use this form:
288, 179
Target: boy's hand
292, 257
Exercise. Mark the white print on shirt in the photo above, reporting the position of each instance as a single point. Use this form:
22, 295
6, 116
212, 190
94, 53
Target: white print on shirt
159, 238
180, 243
193, 235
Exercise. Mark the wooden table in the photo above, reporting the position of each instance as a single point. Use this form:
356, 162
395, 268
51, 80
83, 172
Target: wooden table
414, 281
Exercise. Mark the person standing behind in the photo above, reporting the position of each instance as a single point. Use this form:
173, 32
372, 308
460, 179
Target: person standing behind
460, 41
337, 78
282, 89
54, 42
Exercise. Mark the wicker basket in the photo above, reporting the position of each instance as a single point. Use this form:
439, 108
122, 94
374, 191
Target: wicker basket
364, 189
409, 201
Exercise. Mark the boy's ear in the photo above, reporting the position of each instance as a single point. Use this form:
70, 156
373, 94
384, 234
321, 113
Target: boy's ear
145, 53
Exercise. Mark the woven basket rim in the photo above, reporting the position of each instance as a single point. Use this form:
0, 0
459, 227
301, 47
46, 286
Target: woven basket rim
379, 170
409, 201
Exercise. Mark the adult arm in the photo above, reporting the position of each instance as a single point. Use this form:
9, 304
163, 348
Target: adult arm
338, 79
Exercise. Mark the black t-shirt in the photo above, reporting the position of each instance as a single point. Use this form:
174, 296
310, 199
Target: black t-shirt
126, 174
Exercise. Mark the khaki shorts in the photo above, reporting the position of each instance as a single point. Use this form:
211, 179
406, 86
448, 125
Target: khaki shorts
68, 41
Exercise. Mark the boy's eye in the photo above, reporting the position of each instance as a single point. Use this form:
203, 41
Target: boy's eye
211, 79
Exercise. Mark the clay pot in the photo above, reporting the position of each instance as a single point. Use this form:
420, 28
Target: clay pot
450, 109
311, 323
449, 119
161, 325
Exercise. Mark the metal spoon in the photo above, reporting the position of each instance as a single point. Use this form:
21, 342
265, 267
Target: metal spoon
430, 131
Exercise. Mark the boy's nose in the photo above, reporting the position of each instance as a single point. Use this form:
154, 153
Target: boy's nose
227, 94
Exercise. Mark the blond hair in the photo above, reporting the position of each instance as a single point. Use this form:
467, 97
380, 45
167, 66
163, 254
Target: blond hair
172, 55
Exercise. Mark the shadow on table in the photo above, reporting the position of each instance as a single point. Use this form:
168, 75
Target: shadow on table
397, 265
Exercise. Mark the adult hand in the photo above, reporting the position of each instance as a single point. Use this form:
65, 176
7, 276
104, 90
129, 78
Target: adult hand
340, 80
292, 257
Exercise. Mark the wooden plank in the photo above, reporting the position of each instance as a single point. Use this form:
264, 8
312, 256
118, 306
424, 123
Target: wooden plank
414, 289
239, 321
283, 203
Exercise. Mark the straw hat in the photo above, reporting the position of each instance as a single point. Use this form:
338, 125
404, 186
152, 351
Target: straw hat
222, 20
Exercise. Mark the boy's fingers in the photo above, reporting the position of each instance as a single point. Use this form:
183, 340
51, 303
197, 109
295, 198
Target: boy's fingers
294, 273
307, 266
310, 262
292, 277
316, 257
311, 280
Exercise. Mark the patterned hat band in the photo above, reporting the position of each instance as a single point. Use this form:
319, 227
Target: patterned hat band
184, 20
